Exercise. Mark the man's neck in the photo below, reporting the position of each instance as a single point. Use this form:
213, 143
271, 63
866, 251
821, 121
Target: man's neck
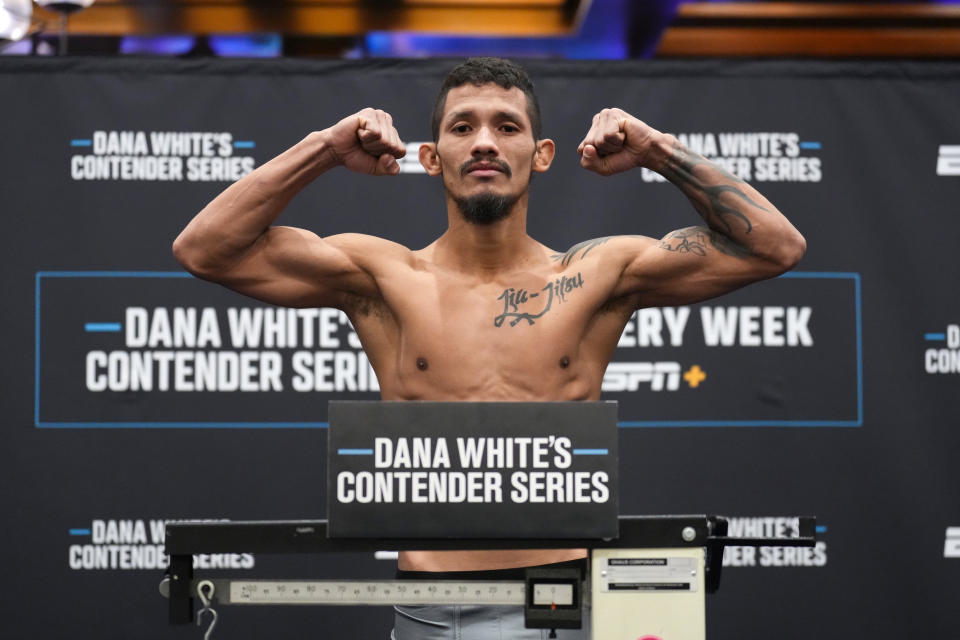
489, 249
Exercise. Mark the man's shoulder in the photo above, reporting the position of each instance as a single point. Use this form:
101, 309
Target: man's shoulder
369, 249
604, 246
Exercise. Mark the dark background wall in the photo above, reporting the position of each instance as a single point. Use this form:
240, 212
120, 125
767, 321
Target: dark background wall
844, 406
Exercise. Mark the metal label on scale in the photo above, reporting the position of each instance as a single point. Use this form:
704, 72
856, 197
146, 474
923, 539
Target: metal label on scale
650, 574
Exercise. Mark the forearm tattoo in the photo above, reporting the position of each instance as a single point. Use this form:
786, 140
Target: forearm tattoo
521, 304
679, 170
695, 240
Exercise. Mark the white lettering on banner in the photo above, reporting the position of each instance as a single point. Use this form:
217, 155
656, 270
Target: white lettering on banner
333, 371
756, 326
951, 546
650, 323
187, 370
747, 326
948, 160
757, 155
161, 156
628, 376
137, 544
937, 361
423, 453
119, 142
771, 527
143, 329
254, 365
410, 163
287, 328
477, 482
480, 487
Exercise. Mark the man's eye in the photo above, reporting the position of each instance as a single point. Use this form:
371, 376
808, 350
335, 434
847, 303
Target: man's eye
462, 128
509, 128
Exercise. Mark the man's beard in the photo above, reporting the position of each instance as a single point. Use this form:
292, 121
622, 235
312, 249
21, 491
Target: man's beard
485, 208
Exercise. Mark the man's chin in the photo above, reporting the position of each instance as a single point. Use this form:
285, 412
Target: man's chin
485, 207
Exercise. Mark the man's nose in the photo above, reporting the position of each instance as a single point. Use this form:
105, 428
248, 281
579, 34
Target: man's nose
485, 142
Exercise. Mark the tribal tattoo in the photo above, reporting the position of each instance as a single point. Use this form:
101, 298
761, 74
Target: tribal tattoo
584, 246
679, 170
695, 239
516, 302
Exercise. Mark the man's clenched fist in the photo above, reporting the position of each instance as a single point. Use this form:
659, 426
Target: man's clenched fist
616, 142
366, 142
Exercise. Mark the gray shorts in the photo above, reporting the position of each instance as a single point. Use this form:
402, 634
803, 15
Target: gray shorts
477, 622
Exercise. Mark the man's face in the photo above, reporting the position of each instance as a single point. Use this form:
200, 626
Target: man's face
485, 143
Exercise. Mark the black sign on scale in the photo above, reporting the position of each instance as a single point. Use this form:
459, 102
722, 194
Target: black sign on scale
472, 469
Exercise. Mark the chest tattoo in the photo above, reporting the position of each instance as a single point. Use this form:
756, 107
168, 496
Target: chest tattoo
521, 304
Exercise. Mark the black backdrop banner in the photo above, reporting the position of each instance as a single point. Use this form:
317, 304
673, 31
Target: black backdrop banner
135, 393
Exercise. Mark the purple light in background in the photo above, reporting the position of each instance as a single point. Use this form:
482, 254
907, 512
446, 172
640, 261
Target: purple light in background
172, 45
254, 45
416, 45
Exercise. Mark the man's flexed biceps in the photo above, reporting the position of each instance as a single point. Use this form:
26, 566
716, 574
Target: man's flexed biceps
746, 237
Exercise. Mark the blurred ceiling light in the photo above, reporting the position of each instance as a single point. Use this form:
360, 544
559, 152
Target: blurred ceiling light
14, 20
65, 6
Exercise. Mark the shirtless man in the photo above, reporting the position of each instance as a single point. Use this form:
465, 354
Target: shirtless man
447, 344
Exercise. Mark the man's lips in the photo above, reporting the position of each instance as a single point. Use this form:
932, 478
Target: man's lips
484, 172
486, 169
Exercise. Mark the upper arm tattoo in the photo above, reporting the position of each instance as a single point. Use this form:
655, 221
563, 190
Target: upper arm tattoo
696, 239
680, 171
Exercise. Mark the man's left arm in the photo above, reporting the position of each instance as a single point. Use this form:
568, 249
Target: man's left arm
745, 237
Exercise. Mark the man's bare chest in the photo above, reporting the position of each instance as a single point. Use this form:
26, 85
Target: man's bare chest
516, 307
521, 337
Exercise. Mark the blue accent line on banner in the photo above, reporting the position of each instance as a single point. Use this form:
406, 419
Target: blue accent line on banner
830, 275
102, 327
935, 337
244, 144
354, 452
742, 423
590, 452
81, 143
181, 425
36, 355
821, 528
113, 274
79, 532
809, 145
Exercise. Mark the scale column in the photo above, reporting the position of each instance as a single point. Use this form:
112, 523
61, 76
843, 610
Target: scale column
181, 598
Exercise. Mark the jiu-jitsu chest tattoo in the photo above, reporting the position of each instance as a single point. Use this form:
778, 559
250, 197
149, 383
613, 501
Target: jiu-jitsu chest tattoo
521, 305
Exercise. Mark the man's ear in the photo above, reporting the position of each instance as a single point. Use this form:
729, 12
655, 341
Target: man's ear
429, 158
543, 157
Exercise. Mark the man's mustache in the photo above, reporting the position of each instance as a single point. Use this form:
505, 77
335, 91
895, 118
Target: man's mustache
469, 164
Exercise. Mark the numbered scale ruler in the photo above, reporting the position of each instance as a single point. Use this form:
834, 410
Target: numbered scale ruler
388, 592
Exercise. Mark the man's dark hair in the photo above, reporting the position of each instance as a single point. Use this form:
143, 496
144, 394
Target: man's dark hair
481, 71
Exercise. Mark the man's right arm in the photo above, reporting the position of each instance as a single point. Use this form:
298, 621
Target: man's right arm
231, 241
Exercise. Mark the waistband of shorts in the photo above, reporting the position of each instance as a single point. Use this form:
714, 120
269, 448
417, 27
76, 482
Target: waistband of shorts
513, 573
